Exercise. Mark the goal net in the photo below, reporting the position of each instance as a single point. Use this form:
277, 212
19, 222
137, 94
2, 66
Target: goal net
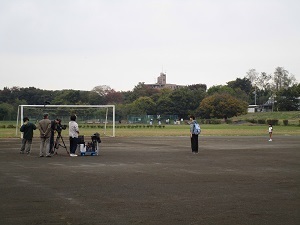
90, 118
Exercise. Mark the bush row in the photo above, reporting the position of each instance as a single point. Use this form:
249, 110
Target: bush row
141, 126
210, 121
122, 126
269, 121
202, 121
7, 126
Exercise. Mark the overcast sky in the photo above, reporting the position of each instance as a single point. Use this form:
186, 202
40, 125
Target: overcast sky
80, 44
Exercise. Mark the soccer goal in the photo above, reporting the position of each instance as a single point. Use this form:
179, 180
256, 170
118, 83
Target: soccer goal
94, 117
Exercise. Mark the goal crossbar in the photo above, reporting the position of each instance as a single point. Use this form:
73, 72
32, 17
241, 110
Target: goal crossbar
21, 110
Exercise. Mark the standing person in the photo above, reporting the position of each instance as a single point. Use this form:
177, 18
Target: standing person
151, 122
73, 135
194, 135
54, 124
27, 128
270, 131
44, 126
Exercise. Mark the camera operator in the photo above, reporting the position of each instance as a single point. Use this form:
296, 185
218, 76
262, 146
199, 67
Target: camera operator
54, 127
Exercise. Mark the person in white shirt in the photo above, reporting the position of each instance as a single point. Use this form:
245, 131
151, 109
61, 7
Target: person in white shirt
270, 131
73, 135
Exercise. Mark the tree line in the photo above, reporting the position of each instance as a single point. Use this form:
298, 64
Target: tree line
218, 101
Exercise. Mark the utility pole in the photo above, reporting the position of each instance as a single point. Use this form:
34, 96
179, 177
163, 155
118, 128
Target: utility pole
255, 95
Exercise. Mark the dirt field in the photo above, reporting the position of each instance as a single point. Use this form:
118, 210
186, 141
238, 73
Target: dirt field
233, 180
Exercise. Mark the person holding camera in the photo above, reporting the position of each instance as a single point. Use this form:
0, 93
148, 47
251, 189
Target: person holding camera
54, 124
73, 135
27, 129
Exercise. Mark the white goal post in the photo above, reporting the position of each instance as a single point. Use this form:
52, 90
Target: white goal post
21, 108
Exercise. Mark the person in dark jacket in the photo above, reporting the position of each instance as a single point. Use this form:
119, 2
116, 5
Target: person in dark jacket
27, 128
194, 137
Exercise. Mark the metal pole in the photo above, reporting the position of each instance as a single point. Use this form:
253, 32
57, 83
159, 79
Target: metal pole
17, 125
255, 95
114, 122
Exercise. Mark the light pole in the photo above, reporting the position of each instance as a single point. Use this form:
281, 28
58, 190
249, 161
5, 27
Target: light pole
255, 96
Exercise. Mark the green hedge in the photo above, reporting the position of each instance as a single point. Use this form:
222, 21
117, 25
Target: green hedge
261, 121
210, 121
228, 121
273, 121
252, 121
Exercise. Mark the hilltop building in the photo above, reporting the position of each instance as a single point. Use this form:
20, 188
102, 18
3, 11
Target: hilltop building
162, 83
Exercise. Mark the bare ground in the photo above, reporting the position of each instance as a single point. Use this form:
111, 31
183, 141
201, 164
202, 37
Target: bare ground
154, 180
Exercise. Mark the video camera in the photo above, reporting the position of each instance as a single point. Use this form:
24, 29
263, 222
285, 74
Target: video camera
60, 127
96, 138
93, 146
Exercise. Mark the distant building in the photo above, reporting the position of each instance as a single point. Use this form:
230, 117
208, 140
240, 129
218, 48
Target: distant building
162, 83
253, 108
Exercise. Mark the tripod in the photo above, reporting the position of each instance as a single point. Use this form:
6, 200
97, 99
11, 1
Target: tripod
57, 143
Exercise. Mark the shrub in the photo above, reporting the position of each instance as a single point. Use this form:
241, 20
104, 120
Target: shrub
261, 121
3, 126
273, 121
215, 121
202, 121
251, 120
10, 126
228, 121
285, 122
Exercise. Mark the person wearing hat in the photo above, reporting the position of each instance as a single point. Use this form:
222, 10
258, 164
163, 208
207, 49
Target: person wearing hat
27, 129
44, 126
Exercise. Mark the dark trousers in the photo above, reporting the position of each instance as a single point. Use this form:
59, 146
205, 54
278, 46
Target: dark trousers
26, 145
52, 142
194, 143
73, 145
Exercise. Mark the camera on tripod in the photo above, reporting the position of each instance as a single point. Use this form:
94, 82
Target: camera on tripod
60, 127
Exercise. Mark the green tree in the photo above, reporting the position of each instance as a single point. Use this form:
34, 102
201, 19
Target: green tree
183, 100
165, 106
287, 98
113, 97
220, 89
221, 106
67, 97
140, 90
234, 91
243, 84
95, 99
34, 96
6, 111
143, 105
8, 95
